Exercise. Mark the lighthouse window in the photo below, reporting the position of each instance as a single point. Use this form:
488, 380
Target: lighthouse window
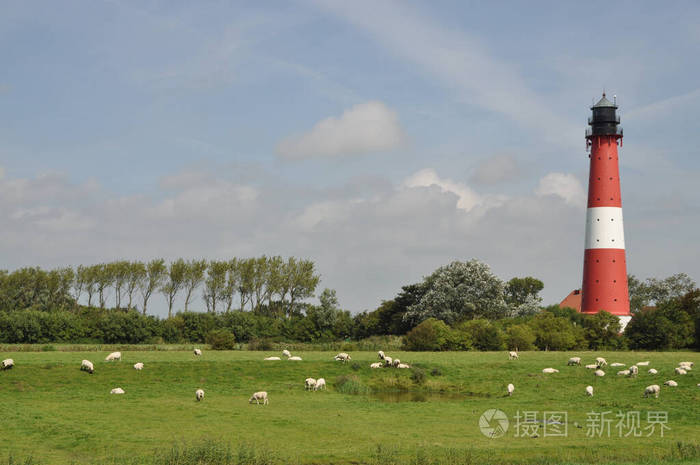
611, 179
613, 240
613, 260
597, 219
612, 219
596, 280
611, 198
597, 260
614, 280
597, 240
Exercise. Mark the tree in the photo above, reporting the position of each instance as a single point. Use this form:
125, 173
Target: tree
246, 269
120, 274
233, 278
326, 315
155, 275
602, 330
460, 290
520, 337
259, 280
215, 283
431, 334
303, 281
174, 280
274, 278
104, 278
654, 291
556, 333
135, 278
518, 290
194, 276
78, 283
90, 279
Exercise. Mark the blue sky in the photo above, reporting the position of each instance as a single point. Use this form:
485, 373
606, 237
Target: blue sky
380, 139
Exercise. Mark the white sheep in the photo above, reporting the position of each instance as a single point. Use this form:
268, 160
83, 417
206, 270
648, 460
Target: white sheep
388, 361
380, 354
680, 371
589, 390
257, 397
671, 383
643, 364
574, 361
294, 358
117, 391
511, 388
653, 371
7, 364
550, 370
634, 370
396, 362
599, 372
113, 356
138, 366
198, 352
653, 389
601, 362
87, 365
592, 366
617, 364
286, 353
687, 363
376, 365
272, 358
623, 373
342, 357
199, 394
320, 384
512, 355
403, 366
309, 384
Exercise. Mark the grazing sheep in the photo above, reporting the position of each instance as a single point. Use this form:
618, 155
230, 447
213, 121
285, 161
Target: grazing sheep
671, 383
617, 364
376, 365
257, 397
403, 365
685, 366
286, 353
272, 358
652, 371
634, 370
550, 370
87, 365
199, 394
294, 358
309, 384
342, 357
680, 371
623, 373
589, 390
600, 361
512, 355
117, 391
388, 361
574, 361
320, 384
138, 366
599, 372
7, 364
653, 389
396, 362
380, 354
198, 352
114, 356
643, 364
591, 367
687, 363
511, 388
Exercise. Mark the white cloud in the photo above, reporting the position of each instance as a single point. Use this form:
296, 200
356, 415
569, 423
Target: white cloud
495, 169
564, 185
468, 199
366, 127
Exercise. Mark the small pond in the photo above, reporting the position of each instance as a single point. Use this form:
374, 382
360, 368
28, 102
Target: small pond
413, 396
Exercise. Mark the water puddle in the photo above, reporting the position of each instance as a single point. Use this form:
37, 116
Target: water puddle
412, 396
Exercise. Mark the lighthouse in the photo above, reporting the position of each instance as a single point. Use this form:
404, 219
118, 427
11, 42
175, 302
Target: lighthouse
604, 284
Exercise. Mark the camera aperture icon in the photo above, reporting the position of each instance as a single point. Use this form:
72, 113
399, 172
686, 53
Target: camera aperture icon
493, 423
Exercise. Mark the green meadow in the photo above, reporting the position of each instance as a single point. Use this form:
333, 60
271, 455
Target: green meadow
52, 413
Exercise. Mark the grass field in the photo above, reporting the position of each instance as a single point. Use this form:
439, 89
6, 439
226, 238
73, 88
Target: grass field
55, 414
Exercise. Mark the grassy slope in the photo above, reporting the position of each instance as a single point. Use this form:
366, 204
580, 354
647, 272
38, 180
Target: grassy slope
58, 414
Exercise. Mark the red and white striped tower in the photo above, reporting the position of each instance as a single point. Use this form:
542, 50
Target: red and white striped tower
604, 265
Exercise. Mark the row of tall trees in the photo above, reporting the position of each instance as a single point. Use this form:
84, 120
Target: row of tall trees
248, 283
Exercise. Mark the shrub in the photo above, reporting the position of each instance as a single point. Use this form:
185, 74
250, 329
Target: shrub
431, 334
221, 339
355, 366
418, 376
484, 334
260, 344
350, 384
520, 337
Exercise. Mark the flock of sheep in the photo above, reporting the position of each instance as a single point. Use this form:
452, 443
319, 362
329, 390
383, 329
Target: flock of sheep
682, 369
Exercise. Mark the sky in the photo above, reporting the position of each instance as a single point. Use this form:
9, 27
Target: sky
379, 139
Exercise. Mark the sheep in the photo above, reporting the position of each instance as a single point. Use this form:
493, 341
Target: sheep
388, 361
294, 358
403, 365
653, 389
589, 391
257, 397
601, 362
550, 370
376, 365
643, 364
309, 384
342, 357
286, 353
114, 356
320, 384
687, 363
680, 371
574, 361
272, 358
623, 373
87, 365
685, 366
511, 388
592, 366
138, 366
652, 371
198, 352
634, 370
7, 364
617, 364
199, 394
396, 362
599, 372
512, 355
671, 383
117, 391
380, 354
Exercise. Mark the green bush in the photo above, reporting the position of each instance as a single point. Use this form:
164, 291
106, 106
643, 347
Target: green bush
418, 376
431, 334
483, 334
260, 344
221, 339
520, 337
